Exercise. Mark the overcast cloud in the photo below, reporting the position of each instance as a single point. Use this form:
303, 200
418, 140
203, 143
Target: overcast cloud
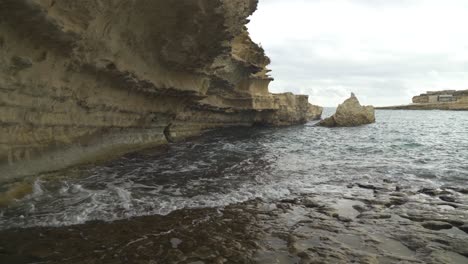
386, 51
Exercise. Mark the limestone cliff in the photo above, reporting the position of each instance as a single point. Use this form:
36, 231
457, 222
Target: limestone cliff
91, 79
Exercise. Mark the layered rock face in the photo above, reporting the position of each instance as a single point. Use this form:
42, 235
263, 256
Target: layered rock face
350, 114
91, 79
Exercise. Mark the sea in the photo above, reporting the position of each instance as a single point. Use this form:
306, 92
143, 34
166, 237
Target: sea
229, 166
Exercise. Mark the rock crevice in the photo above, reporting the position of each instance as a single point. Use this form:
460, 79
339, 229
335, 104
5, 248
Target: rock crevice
87, 80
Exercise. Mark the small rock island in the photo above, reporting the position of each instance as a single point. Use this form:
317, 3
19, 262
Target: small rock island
349, 114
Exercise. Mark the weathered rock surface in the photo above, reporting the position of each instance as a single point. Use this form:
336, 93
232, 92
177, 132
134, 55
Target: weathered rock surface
349, 114
436, 225
88, 80
325, 226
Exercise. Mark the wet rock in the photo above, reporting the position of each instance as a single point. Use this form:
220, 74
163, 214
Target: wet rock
454, 222
464, 228
204, 252
389, 181
295, 234
459, 190
175, 242
176, 254
367, 186
328, 122
284, 206
359, 208
436, 225
397, 201
461, 247
399, 194
310, 203
267, 207
447, 198
350, 114
343, 219
15, 191
374, 216
290, 201
140, 239
429, 191
370, 260
305, 258
416, 216
21, 63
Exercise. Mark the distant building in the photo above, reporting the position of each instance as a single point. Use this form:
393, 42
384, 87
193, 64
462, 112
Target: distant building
446, 96
433, 99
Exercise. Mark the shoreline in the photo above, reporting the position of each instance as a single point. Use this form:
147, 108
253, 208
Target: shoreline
382, 222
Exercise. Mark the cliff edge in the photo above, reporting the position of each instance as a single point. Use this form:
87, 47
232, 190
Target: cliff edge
87, 80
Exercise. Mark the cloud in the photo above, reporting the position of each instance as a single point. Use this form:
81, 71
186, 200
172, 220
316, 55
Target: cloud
385, 51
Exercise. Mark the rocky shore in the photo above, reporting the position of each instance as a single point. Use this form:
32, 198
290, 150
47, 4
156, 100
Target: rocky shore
381, 222
82, 81
87, 81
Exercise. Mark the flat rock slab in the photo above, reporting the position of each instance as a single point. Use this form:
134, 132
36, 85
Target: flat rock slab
323, 227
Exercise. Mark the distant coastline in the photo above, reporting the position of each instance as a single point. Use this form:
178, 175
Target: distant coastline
436, 100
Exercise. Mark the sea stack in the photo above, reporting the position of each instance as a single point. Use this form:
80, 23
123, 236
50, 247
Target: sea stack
349, 114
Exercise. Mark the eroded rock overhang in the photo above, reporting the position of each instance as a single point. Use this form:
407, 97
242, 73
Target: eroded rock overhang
87, 80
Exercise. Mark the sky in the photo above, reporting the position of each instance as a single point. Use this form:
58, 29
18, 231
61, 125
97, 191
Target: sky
385, 51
